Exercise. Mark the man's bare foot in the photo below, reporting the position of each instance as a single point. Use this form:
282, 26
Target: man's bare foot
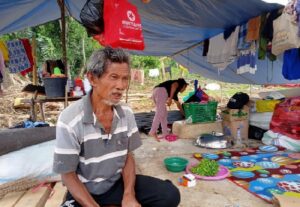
154, 135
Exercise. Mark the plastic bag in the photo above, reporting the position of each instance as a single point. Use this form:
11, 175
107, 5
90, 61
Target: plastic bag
91, 16
122, 26
285, 34
286, 118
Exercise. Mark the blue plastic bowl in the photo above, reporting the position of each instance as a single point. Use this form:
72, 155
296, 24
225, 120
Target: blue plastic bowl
175, 164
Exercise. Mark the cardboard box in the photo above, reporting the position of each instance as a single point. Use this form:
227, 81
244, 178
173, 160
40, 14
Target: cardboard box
191, 131
235, 114
231, 128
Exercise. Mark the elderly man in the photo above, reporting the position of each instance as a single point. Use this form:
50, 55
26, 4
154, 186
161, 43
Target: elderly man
95, 138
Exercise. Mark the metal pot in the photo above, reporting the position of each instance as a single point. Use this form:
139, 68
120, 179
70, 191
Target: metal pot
215, 140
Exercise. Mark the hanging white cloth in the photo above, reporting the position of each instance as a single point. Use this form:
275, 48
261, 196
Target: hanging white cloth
223, 52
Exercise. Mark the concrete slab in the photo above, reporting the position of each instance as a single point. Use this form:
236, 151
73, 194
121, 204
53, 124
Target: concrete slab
149, 158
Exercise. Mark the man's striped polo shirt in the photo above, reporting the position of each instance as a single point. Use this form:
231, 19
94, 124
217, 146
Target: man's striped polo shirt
83, 147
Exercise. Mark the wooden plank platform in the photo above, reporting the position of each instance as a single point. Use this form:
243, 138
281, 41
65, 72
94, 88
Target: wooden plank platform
44, 196
58, 195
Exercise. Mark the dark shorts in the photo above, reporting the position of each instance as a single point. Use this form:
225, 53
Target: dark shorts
149, 191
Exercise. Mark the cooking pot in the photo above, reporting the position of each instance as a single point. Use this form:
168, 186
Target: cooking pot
215, 140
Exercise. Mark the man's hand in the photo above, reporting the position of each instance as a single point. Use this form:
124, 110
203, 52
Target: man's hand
130, 201
169, 101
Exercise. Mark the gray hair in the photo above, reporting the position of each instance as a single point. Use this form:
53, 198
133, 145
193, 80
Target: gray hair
100, 59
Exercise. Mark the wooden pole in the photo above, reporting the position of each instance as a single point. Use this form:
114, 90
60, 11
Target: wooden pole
34, 72
163, 69
61, 4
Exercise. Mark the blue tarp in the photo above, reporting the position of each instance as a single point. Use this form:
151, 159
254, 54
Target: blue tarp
170, 27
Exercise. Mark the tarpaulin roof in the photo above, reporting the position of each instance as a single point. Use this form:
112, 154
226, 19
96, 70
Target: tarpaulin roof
170, 27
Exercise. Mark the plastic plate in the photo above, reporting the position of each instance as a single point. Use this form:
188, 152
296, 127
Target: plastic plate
223, 173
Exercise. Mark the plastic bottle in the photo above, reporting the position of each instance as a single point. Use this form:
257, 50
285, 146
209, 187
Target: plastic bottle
238, 137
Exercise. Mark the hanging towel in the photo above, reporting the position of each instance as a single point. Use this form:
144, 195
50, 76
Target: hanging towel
221, 53
246, 62
18, 59
4, 50
253, 29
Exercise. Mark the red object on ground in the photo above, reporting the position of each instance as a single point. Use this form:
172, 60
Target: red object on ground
171, 137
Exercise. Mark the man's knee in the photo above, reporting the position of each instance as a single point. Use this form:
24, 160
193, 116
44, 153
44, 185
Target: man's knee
172, 195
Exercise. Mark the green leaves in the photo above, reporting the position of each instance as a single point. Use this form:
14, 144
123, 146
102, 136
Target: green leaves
206, 167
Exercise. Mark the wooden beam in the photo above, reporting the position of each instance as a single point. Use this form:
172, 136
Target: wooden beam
10, 199
59, 193
34, 72
35, 197
163, 69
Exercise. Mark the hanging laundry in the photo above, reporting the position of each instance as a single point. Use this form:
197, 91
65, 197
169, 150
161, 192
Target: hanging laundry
28, 50
246, 61
18, 59
205, 47
298, 15
242, 43
253, 29
221, 53
4, 50
264, 49
2, 68
154, 72
137, 76
291, 64
2, 65
290, 9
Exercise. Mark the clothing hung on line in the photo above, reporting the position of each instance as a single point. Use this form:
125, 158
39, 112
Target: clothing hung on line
20, 56
221, 52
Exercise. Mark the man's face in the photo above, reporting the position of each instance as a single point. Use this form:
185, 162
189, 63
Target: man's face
110, 87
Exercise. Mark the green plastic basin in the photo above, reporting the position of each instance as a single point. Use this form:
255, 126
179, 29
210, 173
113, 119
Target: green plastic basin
175, 164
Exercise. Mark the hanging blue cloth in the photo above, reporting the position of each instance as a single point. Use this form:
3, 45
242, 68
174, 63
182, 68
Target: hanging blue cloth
291, 64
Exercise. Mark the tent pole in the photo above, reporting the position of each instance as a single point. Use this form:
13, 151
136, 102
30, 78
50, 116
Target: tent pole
61, 4
163, 69
34, 72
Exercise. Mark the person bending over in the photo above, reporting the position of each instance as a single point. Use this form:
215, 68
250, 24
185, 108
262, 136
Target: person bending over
162, 95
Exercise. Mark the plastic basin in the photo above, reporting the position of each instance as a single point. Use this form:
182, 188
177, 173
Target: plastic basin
175, 164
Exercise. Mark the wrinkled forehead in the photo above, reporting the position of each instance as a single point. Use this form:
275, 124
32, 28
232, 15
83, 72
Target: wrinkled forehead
118, 68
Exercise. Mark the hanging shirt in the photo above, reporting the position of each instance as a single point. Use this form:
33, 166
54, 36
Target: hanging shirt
253, 29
